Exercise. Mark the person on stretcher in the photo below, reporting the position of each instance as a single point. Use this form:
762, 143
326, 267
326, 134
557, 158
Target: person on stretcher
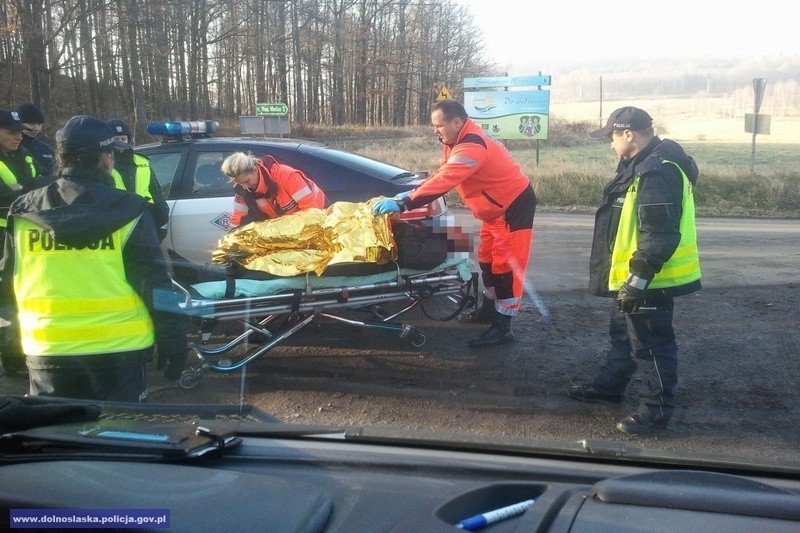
266, 189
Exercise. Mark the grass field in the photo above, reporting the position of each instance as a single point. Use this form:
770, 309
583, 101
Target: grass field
572, 177
705, 119
569, 169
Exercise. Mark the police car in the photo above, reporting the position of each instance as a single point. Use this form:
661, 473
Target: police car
187, 165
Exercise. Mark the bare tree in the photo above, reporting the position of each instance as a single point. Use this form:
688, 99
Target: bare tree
335, 61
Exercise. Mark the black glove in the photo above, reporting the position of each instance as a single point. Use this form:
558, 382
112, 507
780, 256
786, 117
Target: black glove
18, 413
632, 294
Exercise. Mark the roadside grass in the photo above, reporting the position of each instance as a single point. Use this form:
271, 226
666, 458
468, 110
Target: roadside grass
573, 169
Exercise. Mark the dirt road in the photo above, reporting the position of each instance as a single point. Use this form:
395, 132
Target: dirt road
739, 357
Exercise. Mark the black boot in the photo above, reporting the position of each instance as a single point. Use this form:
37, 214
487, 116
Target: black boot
485, 312
499, 333
12, 359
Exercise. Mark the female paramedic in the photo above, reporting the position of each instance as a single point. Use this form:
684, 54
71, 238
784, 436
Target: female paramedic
266, 189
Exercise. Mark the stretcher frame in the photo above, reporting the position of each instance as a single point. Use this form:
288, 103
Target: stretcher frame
300, 307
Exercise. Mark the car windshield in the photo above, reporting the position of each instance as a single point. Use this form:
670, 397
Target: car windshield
598, 259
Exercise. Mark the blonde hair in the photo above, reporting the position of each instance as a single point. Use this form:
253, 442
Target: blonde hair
238, 163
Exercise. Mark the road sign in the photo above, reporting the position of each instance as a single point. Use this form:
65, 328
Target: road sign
758, 86
444, 94
264, 125
272, 110
507, 81
757, 123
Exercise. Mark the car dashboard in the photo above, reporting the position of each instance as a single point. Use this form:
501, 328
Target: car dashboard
349, 481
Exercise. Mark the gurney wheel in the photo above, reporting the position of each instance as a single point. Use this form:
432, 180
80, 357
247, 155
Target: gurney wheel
189, 379
417, 338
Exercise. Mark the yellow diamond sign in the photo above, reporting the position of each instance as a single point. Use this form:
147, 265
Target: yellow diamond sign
444, 94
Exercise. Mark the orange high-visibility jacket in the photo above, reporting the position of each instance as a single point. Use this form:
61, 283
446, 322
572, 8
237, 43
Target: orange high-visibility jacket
281, 190
481, 170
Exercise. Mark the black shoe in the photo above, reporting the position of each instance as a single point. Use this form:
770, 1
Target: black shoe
587, 393
13, 364
639, 424
485, 312
173, 371
16, 372
492, 337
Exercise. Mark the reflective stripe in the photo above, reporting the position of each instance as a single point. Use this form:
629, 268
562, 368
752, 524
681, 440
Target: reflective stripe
78, 305
301, 193
458, 159
51, 334
508, 306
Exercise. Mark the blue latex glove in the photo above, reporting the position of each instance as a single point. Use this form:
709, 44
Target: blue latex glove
403, 194
386, 206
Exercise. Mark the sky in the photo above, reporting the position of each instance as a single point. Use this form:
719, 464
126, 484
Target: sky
525, 34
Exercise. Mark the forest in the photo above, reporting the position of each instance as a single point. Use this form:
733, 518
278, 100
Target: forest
362, 62
332, 62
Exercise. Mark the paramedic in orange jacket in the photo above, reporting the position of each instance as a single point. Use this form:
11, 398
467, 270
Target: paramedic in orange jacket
266, 189
494, 188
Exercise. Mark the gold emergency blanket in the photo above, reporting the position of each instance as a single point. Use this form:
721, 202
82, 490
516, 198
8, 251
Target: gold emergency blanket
311, 240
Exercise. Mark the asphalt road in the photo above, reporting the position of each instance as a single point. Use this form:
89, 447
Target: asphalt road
739, 347
739, 357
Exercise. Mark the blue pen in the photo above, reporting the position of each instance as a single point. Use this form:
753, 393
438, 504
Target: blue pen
484, 519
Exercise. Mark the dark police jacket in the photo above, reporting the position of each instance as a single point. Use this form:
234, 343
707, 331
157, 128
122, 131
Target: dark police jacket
659, 185
43, 155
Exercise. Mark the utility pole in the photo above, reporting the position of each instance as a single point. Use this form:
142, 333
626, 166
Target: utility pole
601, 101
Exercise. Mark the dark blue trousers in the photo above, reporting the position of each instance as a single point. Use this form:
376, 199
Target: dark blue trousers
644, 340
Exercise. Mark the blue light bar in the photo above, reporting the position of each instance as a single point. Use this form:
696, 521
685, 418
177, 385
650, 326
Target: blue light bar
182, 128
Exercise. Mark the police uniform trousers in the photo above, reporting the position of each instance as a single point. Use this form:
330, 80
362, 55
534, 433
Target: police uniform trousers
644, 340
118, 377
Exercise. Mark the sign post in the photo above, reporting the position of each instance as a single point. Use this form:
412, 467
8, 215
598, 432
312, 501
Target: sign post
756, 123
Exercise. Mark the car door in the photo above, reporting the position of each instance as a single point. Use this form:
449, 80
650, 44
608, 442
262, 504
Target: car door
201, 212
167, 163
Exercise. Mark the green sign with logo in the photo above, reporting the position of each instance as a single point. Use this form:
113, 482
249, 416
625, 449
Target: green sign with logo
272, 110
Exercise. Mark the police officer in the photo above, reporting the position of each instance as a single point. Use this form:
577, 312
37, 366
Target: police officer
43, 155
84, 262
132, 172
644, 253
499, 194
17, 176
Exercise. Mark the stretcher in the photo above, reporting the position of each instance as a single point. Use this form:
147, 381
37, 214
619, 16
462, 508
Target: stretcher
272, 310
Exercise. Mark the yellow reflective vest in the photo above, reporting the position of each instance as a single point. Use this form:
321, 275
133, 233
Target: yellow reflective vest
10, 179
684, 265
141, 179
76, 300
